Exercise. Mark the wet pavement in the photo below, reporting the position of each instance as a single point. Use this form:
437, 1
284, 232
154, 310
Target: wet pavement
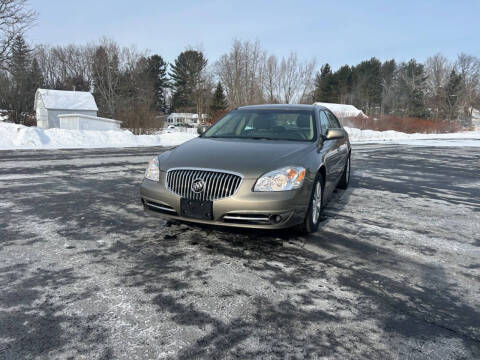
393, 272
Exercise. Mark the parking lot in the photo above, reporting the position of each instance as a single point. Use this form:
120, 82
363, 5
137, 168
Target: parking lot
393, 272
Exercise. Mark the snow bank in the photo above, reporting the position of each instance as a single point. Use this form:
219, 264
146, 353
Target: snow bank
14, 136
468, 138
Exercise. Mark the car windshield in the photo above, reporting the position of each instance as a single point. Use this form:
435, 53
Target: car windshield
271, 124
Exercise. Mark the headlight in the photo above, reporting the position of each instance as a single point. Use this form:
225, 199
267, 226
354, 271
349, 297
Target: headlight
153, 172
286, 178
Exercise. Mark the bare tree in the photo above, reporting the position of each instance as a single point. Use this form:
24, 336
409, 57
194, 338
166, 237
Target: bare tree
469, 69
437, 69
271, 83
106, 75
15, 19
295, 79
66, 67
241, 73
251, 77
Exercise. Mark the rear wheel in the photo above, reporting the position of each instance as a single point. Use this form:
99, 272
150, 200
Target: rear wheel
312, 220
345, 179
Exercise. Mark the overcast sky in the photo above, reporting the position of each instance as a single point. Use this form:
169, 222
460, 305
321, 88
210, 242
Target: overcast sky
338, 32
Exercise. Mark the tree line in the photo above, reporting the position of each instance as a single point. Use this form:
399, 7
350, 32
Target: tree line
127, 84
438, 89
138, 88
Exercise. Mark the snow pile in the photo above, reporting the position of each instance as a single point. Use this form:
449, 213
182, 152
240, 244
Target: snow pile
342, 110
468, 138
14, 136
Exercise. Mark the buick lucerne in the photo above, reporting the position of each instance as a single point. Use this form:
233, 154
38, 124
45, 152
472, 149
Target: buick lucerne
264, 166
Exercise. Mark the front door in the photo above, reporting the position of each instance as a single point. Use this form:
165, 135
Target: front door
341, 152
330, 153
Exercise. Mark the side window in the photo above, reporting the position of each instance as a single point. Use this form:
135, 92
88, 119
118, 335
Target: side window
324, 122
334, 124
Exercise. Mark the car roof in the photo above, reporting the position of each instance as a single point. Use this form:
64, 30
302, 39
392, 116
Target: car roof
281, 107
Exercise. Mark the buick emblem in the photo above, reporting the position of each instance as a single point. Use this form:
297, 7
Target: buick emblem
198, 185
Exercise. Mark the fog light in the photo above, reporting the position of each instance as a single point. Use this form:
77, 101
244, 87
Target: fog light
277, 218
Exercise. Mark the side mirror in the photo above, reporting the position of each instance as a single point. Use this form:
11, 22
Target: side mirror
201, 129
335, 134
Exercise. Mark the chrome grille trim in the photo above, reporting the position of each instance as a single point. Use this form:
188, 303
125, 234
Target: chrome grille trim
247, 218
219, 184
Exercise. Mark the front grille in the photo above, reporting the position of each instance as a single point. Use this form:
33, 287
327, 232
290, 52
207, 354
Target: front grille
216, 184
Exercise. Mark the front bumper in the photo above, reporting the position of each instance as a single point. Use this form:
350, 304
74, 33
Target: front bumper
261, 210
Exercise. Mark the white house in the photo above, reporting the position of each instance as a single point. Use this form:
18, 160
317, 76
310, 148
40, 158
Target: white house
74, 110
184, 119
342, 110
51, 103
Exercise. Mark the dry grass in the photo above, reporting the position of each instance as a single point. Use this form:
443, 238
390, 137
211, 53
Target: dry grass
406, 125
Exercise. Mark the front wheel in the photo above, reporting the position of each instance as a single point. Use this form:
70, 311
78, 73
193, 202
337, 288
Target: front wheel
345, 179
312, 220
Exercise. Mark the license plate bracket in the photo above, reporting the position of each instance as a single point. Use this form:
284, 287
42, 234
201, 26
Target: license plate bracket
196, 209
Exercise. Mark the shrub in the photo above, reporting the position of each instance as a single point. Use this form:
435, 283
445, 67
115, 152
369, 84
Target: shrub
405, 124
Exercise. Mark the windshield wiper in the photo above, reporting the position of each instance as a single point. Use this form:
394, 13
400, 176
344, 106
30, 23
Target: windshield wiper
220, 137
260, 138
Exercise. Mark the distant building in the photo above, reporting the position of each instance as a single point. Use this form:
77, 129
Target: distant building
342, 110
3, 115
74, 110
185, 119
51, 103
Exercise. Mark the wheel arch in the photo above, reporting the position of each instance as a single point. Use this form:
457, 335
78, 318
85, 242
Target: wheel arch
323, 171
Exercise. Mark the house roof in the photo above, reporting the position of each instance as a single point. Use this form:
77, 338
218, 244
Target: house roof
66, 100
342, 110
185, 115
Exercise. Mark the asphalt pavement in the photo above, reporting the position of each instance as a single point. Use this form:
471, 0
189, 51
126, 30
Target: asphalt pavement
393, 272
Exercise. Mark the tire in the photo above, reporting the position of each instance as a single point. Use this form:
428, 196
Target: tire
315, 207
345, 179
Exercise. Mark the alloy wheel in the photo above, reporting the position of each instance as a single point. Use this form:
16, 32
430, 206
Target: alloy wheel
347, 175
317, 202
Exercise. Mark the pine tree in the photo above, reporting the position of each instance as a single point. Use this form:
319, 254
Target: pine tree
343, 84
388, 76
410, 89
34, 82
452, 95
19, 68
325, 85
219, 102
368, 85
157, 69
187, 74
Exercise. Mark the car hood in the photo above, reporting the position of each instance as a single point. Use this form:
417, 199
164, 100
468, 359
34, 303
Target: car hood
249, 157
